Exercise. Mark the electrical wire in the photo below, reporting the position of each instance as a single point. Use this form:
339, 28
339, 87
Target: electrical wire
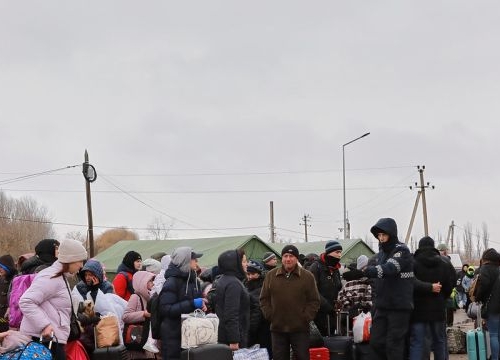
30, 176
157, 192
131, 228
243, 173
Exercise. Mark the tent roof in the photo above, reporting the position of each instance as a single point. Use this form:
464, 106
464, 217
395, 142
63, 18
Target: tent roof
317, 247
210, 247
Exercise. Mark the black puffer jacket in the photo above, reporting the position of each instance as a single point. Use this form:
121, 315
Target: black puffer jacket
393, 272
489, 284
328, 282
232, 301
181, 287
431, 268
260, 332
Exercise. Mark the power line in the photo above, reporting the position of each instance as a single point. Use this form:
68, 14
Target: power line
30, 176
204, 191
144, 203
242, 173
131, 228
298, 232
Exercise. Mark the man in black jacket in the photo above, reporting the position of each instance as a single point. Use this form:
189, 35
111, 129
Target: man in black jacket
327, 274
429, 311
393, 274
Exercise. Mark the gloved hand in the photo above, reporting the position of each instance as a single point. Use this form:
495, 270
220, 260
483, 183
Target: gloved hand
371, 271
198, 303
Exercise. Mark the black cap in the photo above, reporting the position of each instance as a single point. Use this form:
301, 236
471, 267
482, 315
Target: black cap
290, 249
196, 255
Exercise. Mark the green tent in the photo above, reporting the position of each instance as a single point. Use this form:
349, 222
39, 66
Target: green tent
351, 248
210, 247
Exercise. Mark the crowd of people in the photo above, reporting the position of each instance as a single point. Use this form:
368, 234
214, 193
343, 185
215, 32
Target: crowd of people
257, 301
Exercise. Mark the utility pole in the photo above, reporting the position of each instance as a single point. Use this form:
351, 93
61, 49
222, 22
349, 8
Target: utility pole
305, 218
90, 175
420, 194
271, 223
449, 238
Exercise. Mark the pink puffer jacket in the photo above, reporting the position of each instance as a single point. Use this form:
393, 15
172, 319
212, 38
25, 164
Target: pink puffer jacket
46, 301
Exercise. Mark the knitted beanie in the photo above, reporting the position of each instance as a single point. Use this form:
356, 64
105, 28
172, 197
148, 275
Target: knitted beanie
130, 258
71, 251
268, 256
361, 262
331, 246
290, 249
427, 242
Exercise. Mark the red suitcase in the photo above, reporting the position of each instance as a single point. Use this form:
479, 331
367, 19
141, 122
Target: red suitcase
321, 353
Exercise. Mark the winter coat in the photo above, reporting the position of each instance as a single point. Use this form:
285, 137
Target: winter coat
134, 312
47, 302
95, 268
232, 301
328, 282
489, 284
393, 272
289, 301
430, 267
181, 287
123, 282
259, 327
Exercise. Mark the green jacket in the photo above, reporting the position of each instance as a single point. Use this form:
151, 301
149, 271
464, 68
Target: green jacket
289, 303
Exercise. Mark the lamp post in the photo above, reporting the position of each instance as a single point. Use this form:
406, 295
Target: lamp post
347, 232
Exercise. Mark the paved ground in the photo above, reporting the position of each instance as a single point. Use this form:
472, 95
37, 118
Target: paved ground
465, 323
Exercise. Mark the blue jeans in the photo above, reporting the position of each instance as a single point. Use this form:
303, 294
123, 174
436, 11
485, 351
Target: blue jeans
493, 323
418, 337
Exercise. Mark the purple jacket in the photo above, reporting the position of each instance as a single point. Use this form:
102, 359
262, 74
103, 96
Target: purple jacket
46, 301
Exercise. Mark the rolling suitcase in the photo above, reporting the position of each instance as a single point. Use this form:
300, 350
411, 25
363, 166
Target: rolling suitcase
476, 345
110, 353
340, 345
208, 352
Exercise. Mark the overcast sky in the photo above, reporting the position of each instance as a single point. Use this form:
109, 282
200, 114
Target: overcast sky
206, 111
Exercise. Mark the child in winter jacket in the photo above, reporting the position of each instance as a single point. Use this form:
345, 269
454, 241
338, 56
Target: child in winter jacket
136, 310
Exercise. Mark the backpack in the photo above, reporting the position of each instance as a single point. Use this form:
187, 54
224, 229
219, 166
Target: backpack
155, 319
130, 286
473, 288
19, 286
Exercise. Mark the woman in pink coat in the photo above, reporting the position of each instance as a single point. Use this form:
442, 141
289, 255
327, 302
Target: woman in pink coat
136, 310
46, 305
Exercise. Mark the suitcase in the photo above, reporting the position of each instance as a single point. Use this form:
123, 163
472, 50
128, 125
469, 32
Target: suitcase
208, 352
340, 346
110, 353
476, 345
321, 353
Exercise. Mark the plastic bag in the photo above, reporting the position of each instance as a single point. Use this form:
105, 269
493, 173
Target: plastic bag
361, 328
251, 353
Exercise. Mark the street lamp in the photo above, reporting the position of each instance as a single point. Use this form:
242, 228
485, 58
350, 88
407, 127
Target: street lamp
347, 232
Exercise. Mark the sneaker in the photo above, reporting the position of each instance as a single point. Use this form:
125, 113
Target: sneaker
149, 346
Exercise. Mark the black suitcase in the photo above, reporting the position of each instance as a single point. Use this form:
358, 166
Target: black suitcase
208, 352
110, 353
340, 346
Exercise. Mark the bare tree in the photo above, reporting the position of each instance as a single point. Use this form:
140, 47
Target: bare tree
467, 240
159, 229
478, 244
486, 235
112, 236
23, 223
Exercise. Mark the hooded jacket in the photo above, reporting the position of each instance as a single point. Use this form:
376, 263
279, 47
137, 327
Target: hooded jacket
95, 268
44, 257
430, 267
232, 301
488, 288
393, 272
134, 312
181, 287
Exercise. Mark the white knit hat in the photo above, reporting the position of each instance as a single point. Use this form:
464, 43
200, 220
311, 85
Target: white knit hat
361, 262
71, 251
152, 265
